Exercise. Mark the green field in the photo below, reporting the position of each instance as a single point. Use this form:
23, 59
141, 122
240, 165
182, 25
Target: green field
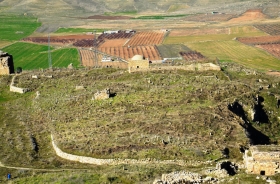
78, 30
33, 56
237, 52
16, 27
234, 32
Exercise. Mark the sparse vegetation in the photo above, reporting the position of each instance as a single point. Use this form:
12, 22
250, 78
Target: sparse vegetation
165, 114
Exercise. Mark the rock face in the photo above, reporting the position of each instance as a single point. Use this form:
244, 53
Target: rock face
102, 95
6, 63
263, 160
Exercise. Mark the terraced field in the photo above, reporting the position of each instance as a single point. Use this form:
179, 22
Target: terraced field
33, 56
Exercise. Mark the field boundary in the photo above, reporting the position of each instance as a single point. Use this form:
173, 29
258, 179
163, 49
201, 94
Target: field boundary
96, 161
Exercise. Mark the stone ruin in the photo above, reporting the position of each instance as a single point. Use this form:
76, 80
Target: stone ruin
102, 95
179, 177
262, 160
6, 63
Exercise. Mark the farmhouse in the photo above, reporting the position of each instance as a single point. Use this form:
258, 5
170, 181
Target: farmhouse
262, 159
6, 63
137, 62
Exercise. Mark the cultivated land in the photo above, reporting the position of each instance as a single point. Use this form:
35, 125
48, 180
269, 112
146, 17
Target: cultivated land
162, 115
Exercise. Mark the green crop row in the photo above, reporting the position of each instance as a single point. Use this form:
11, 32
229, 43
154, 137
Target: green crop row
33, 56
17, 27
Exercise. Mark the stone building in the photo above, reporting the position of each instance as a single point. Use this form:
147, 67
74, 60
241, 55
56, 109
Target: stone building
262, 160
137, 62
6, 63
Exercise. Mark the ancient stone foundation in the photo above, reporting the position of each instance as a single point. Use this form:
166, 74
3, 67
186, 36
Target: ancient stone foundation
262, 159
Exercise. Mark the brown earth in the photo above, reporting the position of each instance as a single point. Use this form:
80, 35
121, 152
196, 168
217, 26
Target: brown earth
260, 39
61, 40
273, 73
107, 17
273, 49
146, 38
126, 53
249, 15
219, 17
114, 43
87, 60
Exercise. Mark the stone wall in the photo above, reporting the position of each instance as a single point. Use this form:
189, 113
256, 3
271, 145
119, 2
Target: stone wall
17, 89
191, 67
95, 161
262, 159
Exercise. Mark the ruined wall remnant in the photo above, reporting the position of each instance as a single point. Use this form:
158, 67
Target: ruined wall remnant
17, 89
102, 95
262, 159
6, 63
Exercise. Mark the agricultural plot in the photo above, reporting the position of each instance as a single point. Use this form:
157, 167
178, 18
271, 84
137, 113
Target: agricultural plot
87, 59
119, 35
192, 56
16, 27
260, 40
33, 56
267, 43
272, 29
126, 53
201, 31
69, 39
172, 51
113, 43
237, 52
273, 49
233, 32
147, 38
210, 17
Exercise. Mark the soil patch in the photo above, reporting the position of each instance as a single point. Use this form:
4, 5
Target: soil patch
250, 15
273, 73
217, 17
114, 43
105, 17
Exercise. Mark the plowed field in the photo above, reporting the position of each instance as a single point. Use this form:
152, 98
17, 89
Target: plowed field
87, 57
68, 39
210, 17
146, 38
260, 40
273, 49
128, 52
114, 43
272, 29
